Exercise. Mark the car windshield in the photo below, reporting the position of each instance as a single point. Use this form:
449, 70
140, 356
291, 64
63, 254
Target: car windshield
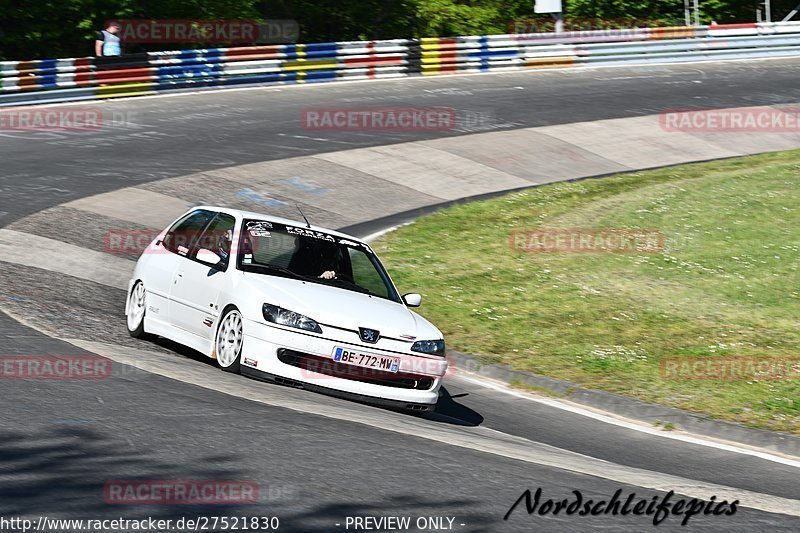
295, 252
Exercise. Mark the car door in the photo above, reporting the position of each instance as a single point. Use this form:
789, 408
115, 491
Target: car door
197, 284
164, 259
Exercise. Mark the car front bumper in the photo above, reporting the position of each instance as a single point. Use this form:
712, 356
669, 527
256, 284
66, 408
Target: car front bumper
417, 384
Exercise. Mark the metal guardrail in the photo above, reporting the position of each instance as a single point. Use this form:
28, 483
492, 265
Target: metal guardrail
60, 80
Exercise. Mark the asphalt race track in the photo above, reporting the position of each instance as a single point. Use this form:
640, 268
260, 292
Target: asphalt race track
164, 413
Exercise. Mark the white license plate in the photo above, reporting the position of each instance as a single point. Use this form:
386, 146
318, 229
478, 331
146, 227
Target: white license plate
365, 360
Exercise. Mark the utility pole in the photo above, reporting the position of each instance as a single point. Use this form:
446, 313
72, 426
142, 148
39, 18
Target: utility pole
696, 12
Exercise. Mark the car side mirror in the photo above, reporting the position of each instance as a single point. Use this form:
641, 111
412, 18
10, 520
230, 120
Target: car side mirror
205, 255
412, 299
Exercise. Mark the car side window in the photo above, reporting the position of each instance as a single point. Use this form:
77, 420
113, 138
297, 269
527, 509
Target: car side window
183, 235
217, 237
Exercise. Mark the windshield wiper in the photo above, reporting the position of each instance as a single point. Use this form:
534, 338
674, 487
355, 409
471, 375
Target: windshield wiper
295, 275
356, 287
276, 268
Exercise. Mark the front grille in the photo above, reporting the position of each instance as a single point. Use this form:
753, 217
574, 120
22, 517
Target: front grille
329, 367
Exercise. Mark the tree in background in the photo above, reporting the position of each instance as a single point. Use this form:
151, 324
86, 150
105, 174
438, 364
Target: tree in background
722, 11
31, 29
464, 17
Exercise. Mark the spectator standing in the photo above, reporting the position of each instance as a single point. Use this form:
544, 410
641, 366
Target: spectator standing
108, 41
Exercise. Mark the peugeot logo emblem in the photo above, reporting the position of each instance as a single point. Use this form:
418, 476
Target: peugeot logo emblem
369, 335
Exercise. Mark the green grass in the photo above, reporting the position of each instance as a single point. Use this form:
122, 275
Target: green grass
725, 284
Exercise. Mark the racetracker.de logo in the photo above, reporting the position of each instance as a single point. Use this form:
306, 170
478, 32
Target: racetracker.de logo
54, 367
413, 369
69, 118
730, 368
586, 241
753, 119
140, 31
570, 24
64, 119
384, 119
122, 241
138, 241
179, 491
583, 29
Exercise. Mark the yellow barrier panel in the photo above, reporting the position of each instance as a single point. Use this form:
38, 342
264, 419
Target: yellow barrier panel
125, 89
309, 64
550, 62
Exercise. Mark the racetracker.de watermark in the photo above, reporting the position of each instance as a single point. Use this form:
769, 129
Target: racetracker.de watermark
379, 119
586, 241
730, 368
141, 31
412, 369
63, 119
126, 241
180, 491
584, 30
753, 119
54, 367
579, 24
138, 241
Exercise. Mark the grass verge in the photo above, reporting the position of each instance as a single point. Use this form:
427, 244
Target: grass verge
724, 284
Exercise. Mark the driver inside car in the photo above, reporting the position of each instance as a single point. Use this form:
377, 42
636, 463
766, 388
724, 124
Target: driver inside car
315, 259
224, 245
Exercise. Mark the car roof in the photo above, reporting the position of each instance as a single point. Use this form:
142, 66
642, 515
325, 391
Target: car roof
280, 220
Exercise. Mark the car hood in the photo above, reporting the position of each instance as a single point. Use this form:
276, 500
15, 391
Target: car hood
342, 308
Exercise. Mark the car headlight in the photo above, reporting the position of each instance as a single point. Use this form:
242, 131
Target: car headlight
431, 347
284, 317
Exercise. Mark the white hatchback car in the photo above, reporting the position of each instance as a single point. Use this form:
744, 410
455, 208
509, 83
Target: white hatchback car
284, 301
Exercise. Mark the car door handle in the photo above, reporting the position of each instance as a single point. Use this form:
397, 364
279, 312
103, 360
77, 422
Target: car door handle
178, 275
